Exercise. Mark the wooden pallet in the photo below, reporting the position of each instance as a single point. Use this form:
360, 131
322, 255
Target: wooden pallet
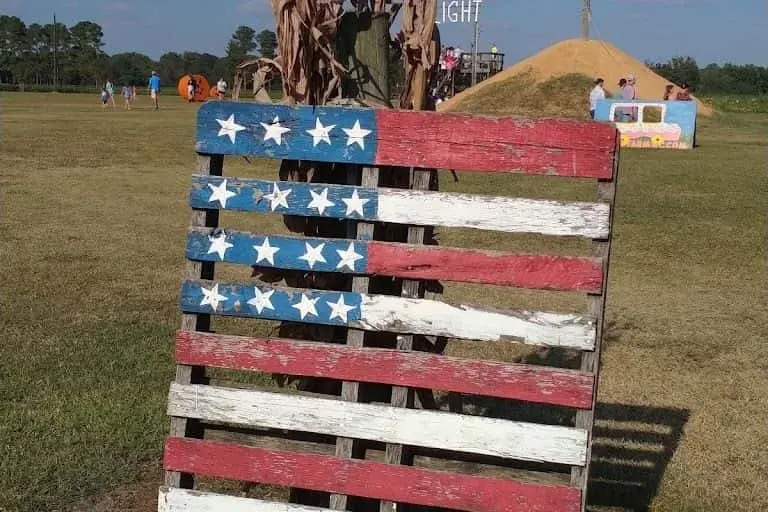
375, 139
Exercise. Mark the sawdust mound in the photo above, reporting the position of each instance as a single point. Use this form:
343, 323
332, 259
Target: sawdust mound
592, 58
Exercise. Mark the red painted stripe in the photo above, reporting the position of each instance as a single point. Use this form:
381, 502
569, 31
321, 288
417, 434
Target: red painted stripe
411, 369
475, 143
524, 271
363, 478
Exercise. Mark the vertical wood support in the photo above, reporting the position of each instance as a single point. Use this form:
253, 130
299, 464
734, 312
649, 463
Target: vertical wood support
184, 427
590, 361
350, 391
401, 396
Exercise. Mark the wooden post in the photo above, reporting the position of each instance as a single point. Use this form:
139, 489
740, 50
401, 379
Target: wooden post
370, 63
601, 249
182, 427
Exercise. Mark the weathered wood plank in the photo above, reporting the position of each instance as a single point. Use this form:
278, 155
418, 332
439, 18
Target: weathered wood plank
534, 271
529, 383
431, 429
368, 479
181, 500
378, 137
387, 314
423, 208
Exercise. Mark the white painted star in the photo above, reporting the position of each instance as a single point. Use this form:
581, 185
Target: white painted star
229, 127
356, 134
348, 257
306, 306
274, 131
220, 193
278, 197
219, 245
355, 204
339, 309
320, 201
320, 132
266, 251
212, 297
261, 300
313, 254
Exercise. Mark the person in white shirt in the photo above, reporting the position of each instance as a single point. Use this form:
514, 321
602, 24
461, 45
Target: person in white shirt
221, 88
597, 93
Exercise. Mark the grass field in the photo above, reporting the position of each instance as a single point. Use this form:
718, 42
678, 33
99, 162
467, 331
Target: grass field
94, 217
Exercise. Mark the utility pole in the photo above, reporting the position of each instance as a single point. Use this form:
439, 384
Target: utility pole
586, 14
474, 52
55, 67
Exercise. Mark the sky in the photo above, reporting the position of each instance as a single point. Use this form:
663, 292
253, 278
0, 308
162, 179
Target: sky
709, 30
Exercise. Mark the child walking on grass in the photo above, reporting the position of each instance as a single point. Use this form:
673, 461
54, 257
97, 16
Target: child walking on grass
127, 97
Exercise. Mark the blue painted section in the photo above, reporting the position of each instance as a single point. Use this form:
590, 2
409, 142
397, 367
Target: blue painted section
676, 130
281, 300
294, 144
249, 196
287, 256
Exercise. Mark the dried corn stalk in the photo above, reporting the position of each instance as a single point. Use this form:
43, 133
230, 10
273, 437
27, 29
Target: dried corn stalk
418, 41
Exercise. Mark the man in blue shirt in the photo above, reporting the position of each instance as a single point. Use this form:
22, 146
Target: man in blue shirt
154, 87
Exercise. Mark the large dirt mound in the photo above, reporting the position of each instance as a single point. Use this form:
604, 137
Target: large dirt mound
591, 57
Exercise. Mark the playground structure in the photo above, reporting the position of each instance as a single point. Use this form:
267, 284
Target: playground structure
460, 78
651, 124
202, 87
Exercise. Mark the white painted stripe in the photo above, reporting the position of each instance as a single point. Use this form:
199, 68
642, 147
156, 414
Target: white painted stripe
172, 499
510, 214
429, 317
432, 429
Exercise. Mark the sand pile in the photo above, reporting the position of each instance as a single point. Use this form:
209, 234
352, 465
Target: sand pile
578, 56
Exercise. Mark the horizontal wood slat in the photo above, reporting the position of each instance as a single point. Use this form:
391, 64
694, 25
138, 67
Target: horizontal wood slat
402, 138
411, 369
506, 214
385, 313
427, 428
171, 499
401, 484
544, 272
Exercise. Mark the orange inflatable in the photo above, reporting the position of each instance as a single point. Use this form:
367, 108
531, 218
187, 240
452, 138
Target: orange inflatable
201, 90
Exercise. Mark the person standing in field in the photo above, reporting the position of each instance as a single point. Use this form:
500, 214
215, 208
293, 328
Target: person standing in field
110, 91
628, 93
221, 88
668, 92
104, 97
154, 88
597, 93
684, 94
127, 94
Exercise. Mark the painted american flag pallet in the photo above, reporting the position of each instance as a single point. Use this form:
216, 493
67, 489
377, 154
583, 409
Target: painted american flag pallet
373, 138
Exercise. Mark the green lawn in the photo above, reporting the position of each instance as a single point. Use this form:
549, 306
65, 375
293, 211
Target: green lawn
94, 218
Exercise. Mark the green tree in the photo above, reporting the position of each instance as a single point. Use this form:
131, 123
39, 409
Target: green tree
240, 47
267, 43
130, 68
13, 49
170, 67
86, 52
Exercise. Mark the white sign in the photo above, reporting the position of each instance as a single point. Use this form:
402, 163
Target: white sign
458, 11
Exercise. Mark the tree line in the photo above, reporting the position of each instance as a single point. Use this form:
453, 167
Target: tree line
27, 56
714, 78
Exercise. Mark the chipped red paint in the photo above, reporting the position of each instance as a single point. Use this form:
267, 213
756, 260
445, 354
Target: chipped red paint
542, 272
412, 369
561, 147
364, 478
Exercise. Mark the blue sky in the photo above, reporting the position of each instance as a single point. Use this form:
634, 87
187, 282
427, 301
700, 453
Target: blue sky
709, 30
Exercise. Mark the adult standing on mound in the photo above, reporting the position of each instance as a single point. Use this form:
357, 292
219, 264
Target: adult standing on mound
154, 88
